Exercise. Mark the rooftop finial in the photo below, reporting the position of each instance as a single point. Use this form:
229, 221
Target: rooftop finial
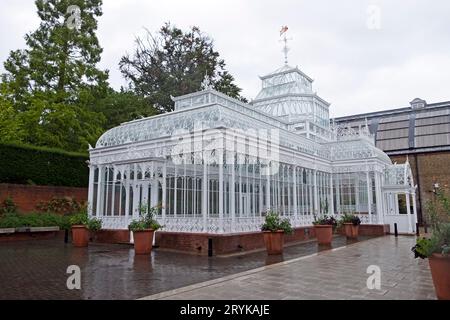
206, 83
285, 40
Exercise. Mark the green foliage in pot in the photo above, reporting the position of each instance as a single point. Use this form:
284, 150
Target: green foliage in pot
82, 218
324, 220
349, 218
94, 224
438, 215
274, 223
79, 219
146, 221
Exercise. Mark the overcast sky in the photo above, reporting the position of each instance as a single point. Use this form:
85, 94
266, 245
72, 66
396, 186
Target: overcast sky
359, 63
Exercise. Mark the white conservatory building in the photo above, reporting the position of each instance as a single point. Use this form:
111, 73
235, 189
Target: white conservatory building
216, 165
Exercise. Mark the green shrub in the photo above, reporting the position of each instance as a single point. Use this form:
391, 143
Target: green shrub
438, 215
65, 205
10, 220
8, 206
42, 166
14, 220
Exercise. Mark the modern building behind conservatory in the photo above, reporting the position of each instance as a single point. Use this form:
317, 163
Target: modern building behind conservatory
215, 164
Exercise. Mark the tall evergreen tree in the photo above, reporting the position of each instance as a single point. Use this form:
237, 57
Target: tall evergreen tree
59, 59
173, 63
54, 82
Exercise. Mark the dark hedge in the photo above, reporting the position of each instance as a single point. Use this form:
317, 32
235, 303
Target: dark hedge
42, 166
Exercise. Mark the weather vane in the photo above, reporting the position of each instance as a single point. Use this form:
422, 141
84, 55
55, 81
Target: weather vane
285, 40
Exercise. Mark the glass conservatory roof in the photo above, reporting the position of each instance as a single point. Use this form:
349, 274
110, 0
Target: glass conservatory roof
398, 175
286, 91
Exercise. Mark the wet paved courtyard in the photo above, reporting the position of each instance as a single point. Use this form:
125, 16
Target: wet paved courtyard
337, 274
37, 269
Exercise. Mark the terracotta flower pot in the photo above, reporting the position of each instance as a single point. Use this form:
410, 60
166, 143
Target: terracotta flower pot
80, 236
351, 231
324, 233
143, 241
274, 241
440, 272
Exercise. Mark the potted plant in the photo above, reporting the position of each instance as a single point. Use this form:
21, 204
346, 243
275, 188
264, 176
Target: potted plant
93, 226
437, 247
323, 228
143, 230
351, 223
274, 229
81, 224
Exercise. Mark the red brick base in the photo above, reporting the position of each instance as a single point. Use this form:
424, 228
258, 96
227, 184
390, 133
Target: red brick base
111, 236
370, 230
222, 244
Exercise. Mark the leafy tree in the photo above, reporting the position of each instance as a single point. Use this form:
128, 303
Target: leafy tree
119, 107
59, 59
173, 63
60, 125
11, 128
53, 85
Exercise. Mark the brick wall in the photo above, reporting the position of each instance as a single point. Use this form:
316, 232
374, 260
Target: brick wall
427, 169
221, 244
27, 197
240, 242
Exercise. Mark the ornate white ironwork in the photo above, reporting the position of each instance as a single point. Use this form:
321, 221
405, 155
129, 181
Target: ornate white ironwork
212, 170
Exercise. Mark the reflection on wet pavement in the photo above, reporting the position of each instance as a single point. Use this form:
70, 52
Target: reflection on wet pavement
37, 269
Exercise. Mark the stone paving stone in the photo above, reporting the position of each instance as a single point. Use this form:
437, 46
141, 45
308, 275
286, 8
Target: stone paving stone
340, 274
37, 269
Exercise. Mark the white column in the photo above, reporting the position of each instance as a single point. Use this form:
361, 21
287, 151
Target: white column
310, 192
233, 196
260, 192
282, 202
302, 195
408, 211
369, 196
331, 201
136, 189
357, 200
184, 190
194, 191
316, 198
127, 191
91, 189
221, 191
164, 192
240, 202
395, 199
100, 191
175, 191
113, 191
268, 188
379, 198
205, 195
294, 190
254, 199
338, 193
